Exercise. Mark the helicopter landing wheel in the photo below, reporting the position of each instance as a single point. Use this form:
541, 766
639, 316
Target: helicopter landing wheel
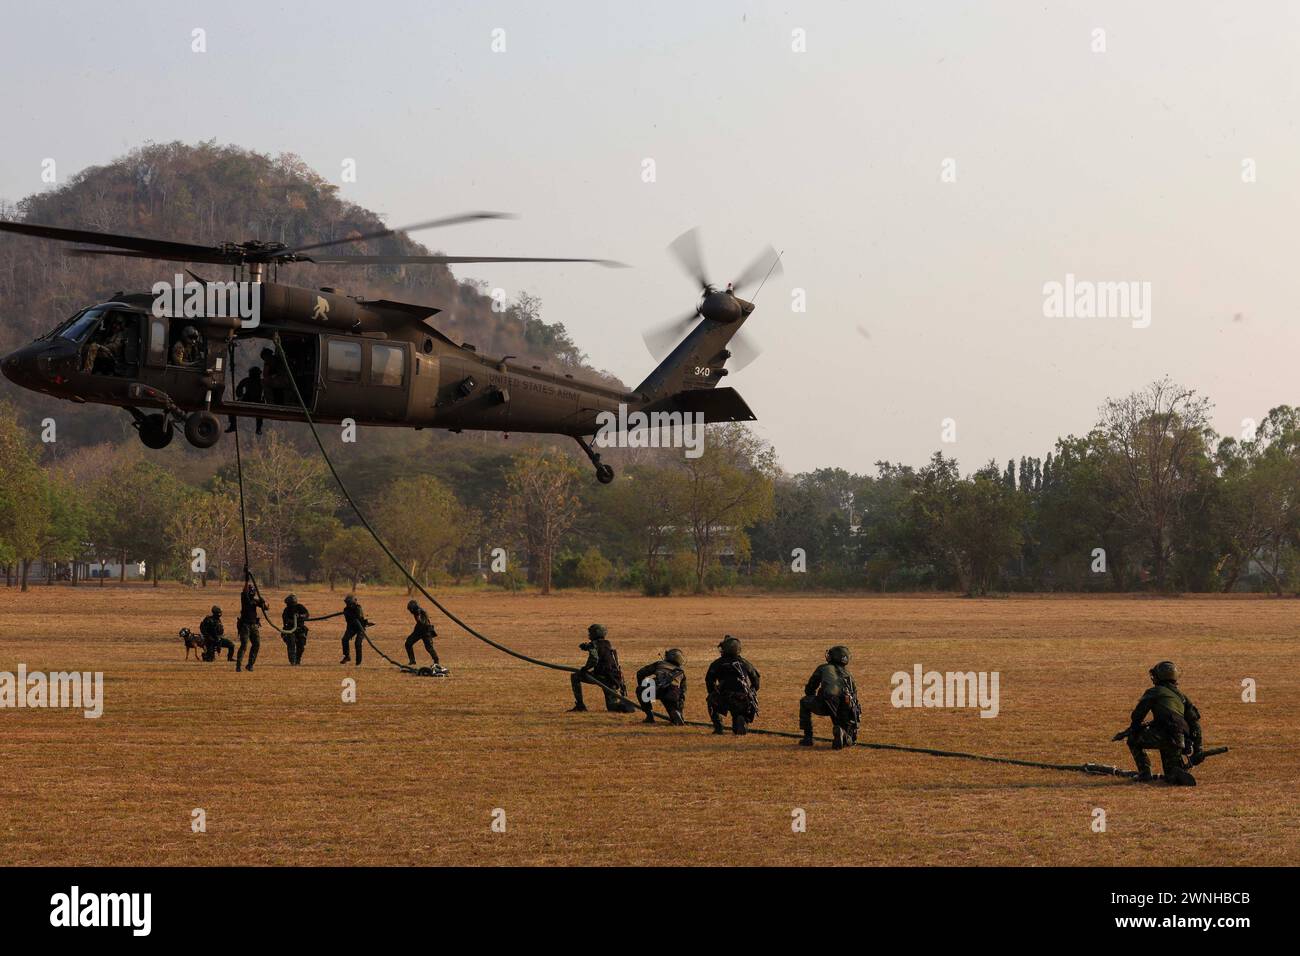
604, 474
155, 431
202, 429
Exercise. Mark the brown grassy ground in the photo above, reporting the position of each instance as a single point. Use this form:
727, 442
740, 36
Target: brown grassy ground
411, 773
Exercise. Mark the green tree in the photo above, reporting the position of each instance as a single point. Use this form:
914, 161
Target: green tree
353, 554
722, 492
286, 494
539, 507
423, 523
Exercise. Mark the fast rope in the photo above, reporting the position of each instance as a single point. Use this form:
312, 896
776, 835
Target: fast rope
1088, 768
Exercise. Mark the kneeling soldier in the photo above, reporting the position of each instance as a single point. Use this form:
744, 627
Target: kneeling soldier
666, 681
1174, 730
830, 692
214, 638
250, 632
425, 632
731, 684
602, 668
356, 625
294, 619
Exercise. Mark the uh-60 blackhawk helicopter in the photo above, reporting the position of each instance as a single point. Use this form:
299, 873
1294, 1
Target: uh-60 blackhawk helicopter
171, 358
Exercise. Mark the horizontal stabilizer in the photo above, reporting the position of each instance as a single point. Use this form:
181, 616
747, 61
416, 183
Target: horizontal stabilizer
716, 404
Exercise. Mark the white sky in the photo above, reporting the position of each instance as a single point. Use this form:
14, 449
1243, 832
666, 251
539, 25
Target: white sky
1117, 166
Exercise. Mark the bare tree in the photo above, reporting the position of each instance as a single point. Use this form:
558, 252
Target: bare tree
1156, 441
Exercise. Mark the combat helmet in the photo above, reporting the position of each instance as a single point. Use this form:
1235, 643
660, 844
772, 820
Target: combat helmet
412, 606
730, 646
1164, 672
291, 599
349, 599
216, 611
190, 334
597, 632
839, 654
675, 657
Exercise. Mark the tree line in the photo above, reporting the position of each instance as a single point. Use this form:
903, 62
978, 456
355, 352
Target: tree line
1150, 499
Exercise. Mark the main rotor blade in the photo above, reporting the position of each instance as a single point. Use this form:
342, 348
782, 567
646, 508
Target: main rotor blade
686, 248
743, 351
431, 224
213, 256
443, 260
156, 248
660, 339
768, 261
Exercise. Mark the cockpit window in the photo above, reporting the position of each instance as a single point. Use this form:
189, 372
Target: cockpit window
81, 326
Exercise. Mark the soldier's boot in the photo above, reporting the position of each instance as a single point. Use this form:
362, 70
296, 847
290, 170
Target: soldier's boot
676, 717
578, 705
807, 739
649, 714
1178, 777
717, 724
1176, 774
738, 725
837, 739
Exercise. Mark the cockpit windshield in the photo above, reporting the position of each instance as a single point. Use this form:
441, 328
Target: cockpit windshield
80, 327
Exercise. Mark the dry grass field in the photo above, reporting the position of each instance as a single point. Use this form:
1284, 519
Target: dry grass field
412, 772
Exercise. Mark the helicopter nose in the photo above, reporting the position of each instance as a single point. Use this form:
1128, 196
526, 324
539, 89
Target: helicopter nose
22, 367
11, 365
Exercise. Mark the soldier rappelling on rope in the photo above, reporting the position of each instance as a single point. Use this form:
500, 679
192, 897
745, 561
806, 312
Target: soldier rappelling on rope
250, 631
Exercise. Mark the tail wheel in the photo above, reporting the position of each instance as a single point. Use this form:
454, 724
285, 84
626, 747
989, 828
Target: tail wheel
604, 474
155, 431
202, 429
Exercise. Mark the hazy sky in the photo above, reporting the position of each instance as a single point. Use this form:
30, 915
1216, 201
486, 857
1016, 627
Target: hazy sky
924, 297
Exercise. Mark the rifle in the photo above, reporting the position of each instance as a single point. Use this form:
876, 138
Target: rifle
1212, 752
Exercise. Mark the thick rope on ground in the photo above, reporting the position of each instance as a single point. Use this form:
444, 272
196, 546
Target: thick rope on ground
1089, 768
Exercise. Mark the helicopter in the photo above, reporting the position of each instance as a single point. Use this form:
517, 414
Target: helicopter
170, 356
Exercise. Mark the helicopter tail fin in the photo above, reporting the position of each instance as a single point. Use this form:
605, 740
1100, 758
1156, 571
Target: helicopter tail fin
695, 364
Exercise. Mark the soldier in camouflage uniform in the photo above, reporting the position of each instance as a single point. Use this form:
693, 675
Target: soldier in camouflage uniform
668, 679
294, 620
111, 346
356, 626
830, 692
1174, 730
214, 638
731, 683
425, 632
188, 349
250, 631
602, 667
